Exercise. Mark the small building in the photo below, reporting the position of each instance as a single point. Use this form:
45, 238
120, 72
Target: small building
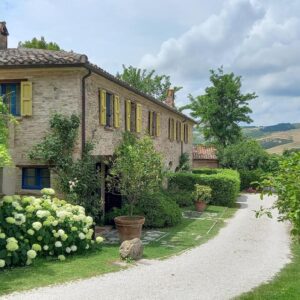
205, 157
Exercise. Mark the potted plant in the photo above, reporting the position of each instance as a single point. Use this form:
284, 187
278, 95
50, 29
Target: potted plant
136, 169
202, 196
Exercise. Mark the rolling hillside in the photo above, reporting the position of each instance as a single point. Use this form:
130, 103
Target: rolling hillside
275, 138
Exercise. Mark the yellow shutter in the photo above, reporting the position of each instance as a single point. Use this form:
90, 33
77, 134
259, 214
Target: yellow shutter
182, 131
151, 123
26, 98
174, 130
102, 103
128, 112
139, 118
158, 124
116, 111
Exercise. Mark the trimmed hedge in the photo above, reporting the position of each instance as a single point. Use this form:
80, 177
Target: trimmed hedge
182, 198
225, 184
249, 176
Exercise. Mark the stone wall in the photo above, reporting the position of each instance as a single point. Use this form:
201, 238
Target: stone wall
53, 90
106, 140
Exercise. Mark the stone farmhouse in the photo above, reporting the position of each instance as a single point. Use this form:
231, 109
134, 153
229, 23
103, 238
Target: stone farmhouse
37, 83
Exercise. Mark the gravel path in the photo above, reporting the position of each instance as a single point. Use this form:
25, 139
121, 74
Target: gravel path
246, 253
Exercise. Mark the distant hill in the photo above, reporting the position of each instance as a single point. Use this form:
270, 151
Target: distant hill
275, 138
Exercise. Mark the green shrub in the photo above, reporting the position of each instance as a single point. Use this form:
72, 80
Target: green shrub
158, 208
182, 197
46, 226
202, 193
225, 184
250, 176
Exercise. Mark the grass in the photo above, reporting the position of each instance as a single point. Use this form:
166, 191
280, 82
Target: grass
285, 286
189, 233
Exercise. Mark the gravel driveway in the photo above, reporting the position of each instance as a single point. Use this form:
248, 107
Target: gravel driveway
246, 253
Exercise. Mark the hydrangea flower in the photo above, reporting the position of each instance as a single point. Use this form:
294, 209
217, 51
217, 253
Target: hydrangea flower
64, 237
46, 247
2, 235
81, 235
12, 245
8, 199
19, 219
58, 244
10, 220
31, 254
42, 213
30, 231
99, 239
61, 232
61, 257
48, 192
74, 248
36, 247
2, 263
28, 261
37, 226
68, 250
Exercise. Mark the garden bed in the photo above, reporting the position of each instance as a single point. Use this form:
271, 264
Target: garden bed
189, 233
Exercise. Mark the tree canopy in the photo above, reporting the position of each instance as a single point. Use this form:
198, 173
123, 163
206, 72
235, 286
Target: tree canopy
39, 44
222, 108
147, 81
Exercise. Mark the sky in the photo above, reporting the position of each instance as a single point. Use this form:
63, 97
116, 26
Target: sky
256, 39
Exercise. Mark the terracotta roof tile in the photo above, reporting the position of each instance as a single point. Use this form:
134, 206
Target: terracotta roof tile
204, 152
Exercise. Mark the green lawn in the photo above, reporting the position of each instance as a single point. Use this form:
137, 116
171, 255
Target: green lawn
189, 233
285, 286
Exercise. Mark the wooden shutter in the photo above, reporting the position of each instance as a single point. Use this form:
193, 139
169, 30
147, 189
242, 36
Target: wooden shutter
174, 130
158, 124
127, 114
151, 123
182, 132
26, 98
116, 111
102, 105
190, 134
139, 118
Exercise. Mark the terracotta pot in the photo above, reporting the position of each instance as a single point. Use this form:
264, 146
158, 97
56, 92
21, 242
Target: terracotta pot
129, 227
200, 206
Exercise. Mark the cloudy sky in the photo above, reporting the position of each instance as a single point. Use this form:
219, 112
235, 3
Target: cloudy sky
257, 39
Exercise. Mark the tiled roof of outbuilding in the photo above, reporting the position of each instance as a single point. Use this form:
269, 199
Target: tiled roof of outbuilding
25, 56
204, 152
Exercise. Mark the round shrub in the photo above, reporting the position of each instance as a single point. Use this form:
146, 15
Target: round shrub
159, 210
248, 177
31, 227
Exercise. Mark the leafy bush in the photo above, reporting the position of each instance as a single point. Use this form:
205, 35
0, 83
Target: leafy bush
202, 193
182, 197
225, 184
250, 176
285, 183
158, 208
46, 226
184, 163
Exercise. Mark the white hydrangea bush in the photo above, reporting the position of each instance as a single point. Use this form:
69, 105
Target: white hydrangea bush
31, 227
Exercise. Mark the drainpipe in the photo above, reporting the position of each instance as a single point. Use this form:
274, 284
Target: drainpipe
83, 138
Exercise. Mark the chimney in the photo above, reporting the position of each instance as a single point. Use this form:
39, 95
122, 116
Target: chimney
170, 100
3, 36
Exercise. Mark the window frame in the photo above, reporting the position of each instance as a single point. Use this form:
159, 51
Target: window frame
17, 102
37, 176
109, 109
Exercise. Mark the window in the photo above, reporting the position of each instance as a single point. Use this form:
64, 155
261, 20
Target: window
109, 110
154, 123
11, 94
178, 131
35, 178
132, 117
171, 129
186, 133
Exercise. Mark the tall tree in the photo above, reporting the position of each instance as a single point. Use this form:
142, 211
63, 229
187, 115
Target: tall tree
222, 108
39, 44
147, 81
